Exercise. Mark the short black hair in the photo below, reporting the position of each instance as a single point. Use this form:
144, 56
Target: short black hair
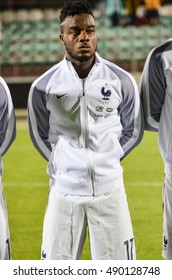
75, 7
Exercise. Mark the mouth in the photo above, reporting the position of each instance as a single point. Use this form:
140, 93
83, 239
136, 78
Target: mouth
84, 47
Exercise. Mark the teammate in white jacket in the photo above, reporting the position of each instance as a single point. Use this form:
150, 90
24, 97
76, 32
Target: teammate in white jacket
84, 117
156, 93
7, 135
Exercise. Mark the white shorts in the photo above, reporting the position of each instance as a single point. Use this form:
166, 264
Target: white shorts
167, 218
109, 226
5, 253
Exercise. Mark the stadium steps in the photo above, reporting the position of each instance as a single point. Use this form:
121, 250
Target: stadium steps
31, 38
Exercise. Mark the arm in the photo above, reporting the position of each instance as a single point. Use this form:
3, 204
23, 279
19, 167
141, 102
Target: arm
38, 117
7, 118
131, 115
152, 89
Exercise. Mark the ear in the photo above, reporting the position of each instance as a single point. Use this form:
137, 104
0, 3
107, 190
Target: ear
61, 36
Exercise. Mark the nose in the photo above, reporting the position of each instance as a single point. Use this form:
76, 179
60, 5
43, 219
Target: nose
84, 36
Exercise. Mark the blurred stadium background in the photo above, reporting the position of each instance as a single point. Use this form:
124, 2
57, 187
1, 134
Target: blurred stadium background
29, 42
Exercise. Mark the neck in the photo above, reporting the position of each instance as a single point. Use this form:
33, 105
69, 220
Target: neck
82, 71
83, 68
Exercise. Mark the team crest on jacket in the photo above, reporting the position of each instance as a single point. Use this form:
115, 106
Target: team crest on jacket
106, 92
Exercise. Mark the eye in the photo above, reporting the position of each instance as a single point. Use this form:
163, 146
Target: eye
75, 32
89, 31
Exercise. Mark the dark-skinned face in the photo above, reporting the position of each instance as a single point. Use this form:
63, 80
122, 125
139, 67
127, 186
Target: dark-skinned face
79, 38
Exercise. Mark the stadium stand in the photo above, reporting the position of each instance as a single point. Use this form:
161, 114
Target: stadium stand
29, 42
31, 37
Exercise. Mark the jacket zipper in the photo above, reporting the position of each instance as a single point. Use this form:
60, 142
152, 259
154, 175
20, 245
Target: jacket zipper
85, 136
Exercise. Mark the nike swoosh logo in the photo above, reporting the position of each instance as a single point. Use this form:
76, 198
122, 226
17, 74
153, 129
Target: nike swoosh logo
59, 96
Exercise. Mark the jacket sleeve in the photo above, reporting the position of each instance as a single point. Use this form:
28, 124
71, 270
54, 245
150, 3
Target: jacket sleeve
7, 118
131, 114
152, 89
38, 118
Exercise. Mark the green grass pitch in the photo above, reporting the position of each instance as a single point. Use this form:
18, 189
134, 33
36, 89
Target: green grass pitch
26, 190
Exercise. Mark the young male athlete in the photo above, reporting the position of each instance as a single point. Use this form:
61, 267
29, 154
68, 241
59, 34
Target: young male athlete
156, 92
7, 135
84, 117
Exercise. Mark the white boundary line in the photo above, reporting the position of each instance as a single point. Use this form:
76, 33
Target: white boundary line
44, 184
26, 184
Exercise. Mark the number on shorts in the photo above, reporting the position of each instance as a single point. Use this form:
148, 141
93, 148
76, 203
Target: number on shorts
8, 249
129, 248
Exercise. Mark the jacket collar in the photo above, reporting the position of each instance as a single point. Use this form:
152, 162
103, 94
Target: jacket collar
69, 67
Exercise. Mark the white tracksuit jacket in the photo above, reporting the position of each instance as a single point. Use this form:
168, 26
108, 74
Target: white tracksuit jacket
7, 122
156, 94
85, 127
